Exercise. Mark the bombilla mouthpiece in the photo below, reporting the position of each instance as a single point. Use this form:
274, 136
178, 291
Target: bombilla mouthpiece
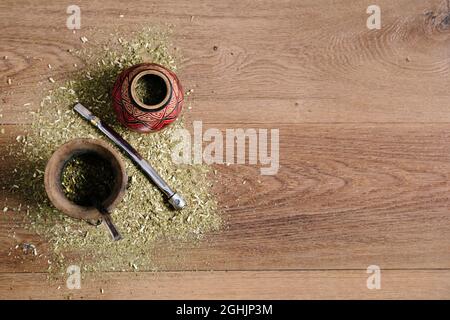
85, 113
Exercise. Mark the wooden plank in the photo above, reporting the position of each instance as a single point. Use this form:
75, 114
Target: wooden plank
345, 196
347, 284
330, 70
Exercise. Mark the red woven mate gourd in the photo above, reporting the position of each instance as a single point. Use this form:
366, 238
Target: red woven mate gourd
133, 113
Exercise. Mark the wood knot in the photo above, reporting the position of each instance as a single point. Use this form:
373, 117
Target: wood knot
445, 23
437, 24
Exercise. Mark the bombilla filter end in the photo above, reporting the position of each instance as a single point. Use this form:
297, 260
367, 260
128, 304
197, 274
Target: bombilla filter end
177, 201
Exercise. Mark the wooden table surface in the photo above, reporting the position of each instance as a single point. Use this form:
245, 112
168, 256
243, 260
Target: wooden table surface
364, 121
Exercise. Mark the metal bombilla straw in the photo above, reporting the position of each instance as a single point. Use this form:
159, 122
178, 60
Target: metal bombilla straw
174, 198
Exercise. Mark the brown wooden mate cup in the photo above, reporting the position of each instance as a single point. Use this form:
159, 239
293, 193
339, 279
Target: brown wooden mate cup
55, 167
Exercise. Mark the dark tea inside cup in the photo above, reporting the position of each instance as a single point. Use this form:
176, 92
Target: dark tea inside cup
87, 178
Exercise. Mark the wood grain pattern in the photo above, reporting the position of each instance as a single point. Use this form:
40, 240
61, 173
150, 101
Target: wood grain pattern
329, 284
364, 129
367, 192
305, 60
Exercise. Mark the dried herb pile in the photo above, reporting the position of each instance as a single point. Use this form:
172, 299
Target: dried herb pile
143, 216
